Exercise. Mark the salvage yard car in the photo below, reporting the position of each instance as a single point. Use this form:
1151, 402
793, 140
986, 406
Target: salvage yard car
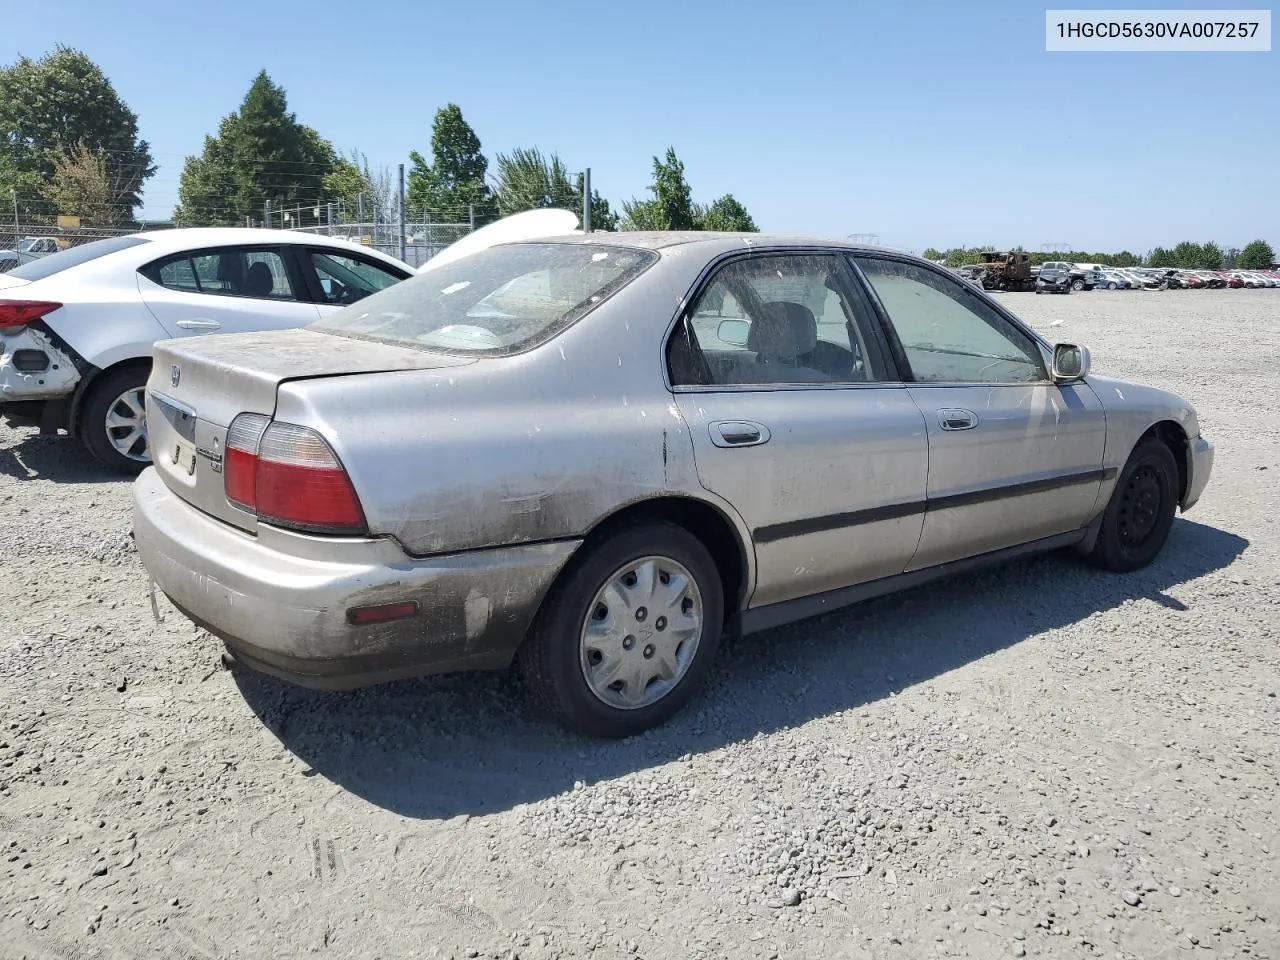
76, 326
595, 455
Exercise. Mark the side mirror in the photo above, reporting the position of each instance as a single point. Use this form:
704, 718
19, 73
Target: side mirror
734, 332
1070, 363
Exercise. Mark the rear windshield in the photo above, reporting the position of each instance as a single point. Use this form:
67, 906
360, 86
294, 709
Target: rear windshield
73, 257
502, 300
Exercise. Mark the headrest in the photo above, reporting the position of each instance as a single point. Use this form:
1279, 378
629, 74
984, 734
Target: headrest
784, 330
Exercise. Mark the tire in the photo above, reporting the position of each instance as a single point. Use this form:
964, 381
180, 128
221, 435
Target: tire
1038, 291
1111, 286
1139, 516
558, 654
107, 398
1077, 285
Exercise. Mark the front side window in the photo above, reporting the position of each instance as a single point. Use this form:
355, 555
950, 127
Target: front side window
345, 280
948, 334
258, 274
503, 300
775, 320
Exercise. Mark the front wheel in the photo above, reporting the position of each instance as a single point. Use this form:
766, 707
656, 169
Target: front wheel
113, 423
1139, 515
1077, 285
628, 634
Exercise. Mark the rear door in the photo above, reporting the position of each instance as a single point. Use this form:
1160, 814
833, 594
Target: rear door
799, 422
226, 290
1013, 457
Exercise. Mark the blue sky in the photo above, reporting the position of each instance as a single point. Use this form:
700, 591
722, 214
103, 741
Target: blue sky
936, 123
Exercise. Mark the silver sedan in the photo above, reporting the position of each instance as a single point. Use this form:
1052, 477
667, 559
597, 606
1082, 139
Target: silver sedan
596, 455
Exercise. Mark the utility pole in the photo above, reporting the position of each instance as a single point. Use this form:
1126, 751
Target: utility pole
402, 211
266, 214
360, 210
471, 216
586, 200
13, 192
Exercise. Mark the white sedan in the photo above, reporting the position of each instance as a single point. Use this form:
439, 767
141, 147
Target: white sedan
76, 327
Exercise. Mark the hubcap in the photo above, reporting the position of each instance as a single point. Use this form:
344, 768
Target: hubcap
126, 425
641, 633
1140, 504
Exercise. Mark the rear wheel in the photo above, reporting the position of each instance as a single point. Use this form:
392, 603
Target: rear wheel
628, 634
1139, 516
113, 421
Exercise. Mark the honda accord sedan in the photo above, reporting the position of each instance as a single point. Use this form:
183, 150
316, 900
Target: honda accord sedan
594, 456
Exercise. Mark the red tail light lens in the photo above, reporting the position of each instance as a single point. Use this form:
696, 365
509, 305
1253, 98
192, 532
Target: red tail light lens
240, 469
14, 313
302, 484
289, 476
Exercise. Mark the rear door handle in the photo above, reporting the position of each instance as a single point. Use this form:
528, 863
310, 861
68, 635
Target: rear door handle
738, 433
198, 324
957, 418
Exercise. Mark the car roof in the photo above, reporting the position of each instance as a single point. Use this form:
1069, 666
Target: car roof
712, 241
192, 238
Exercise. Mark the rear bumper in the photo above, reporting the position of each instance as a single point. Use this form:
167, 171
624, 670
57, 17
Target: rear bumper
1199, 467
279, 600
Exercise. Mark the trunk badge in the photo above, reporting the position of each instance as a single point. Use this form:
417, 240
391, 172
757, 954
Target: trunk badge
175, 374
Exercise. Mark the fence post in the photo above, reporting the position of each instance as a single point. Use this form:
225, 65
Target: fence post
266, 214
471, 216
328, 214
402, 211
586, 201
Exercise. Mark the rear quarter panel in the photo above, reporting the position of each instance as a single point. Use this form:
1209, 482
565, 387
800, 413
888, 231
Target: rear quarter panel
538, 446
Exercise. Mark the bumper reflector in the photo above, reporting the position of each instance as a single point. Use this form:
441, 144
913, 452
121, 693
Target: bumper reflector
358, 616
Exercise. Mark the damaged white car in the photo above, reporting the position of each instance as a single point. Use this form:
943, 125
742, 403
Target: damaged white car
77, 326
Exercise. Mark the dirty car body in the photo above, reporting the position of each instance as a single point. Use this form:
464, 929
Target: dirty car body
821, 422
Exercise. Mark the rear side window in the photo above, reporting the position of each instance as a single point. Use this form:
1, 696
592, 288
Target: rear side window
73, 257
258, 274
503, 300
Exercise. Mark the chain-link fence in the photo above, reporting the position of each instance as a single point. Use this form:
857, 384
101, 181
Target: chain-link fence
24, 242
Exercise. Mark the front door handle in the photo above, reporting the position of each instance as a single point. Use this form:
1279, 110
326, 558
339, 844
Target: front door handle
957, 418
738, 433
198, 324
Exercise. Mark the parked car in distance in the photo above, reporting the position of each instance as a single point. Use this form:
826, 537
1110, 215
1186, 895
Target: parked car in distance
1111, 280
1055, 279
77, 326
603, 452
1080, 279
28, 249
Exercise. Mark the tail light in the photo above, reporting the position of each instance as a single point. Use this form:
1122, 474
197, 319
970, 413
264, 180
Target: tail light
289, 476
14, 313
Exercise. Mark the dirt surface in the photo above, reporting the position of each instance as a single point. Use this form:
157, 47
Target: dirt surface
1043, 760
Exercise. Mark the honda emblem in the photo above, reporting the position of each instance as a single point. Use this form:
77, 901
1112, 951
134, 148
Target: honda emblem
175, 374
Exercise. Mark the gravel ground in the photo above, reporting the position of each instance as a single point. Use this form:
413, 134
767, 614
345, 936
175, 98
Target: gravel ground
1043, 760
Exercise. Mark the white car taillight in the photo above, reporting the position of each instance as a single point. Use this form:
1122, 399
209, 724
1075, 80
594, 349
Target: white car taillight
290, 477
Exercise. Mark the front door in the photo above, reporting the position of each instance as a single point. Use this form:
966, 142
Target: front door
797, 422
1013, 457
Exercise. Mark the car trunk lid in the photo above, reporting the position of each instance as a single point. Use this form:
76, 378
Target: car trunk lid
198, 385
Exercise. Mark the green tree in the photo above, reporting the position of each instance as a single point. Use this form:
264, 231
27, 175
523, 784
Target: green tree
1160, 257
671, 207
452, 184
51, 105
261, 153
85, 185
1210, 256
932, 253
1230, 258
528, 180
728, 215
1126, 259
1187, 254
1256, 255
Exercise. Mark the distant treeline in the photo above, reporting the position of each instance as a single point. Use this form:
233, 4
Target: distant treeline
1257, 255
